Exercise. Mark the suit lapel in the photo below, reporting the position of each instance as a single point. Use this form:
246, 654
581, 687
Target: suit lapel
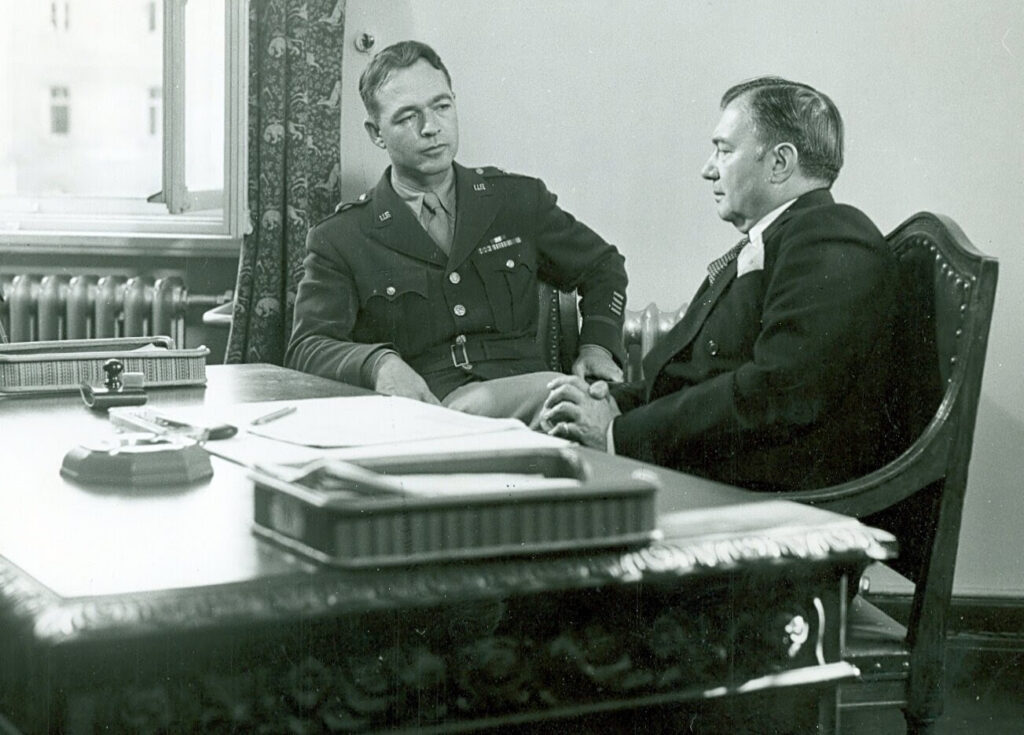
707, 296
476, 206
683, 333
395, 226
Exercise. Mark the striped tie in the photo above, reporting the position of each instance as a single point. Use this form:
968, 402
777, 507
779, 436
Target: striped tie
716, 266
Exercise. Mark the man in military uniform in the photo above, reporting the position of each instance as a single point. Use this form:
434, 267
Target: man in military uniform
426, 286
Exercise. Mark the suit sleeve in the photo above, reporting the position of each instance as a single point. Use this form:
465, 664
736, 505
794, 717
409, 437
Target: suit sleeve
827, 299
326, 306
572, 256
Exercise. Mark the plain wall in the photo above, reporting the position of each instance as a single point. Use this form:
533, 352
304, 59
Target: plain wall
612, 103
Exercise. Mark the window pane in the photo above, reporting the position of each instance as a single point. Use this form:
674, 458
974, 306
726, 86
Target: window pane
75, 110
204, 95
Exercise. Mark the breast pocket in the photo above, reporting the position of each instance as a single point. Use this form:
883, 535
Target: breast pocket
393, 306
510, 278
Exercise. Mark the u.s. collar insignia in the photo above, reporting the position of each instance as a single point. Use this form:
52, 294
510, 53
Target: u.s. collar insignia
481, 186
385, 215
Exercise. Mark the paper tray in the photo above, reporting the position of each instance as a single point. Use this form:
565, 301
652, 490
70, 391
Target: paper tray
353, 524
63, 365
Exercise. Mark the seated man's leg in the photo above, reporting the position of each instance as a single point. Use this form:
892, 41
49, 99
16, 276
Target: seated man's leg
519, 397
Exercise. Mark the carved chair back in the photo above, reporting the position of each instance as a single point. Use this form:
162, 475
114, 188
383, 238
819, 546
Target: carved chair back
947, 294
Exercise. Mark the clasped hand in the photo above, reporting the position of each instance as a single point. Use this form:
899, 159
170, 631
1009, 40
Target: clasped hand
579, 411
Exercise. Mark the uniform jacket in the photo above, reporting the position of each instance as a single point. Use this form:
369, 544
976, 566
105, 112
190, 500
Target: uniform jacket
776, 379
373, 278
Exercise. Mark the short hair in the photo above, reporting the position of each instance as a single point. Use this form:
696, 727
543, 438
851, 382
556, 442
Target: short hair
791, 112
399, 55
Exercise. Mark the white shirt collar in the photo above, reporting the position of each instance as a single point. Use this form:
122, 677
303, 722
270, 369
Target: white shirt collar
765, 222
751, 257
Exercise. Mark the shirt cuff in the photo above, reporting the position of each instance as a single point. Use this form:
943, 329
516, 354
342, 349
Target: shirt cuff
592, 346
610, 437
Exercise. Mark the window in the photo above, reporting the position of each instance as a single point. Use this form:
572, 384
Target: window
155, 116
60, 114
59, 15
154, 155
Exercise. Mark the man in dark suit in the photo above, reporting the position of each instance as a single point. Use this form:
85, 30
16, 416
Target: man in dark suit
776, 376
426, 286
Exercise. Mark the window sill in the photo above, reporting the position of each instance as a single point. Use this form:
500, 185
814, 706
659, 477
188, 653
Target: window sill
130, 244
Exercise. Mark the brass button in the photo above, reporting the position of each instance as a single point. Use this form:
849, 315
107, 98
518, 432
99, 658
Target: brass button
480, 171
454, 277
510, 263
460, 339
390, 291
459, 310
712, 347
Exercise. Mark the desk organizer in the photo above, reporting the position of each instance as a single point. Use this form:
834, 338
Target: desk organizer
63, 365
357, 515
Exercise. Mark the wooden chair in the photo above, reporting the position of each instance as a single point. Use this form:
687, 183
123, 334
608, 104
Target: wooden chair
558, 330
947, 293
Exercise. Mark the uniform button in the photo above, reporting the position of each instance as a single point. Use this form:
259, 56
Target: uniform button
459, 310
480, 171
712, 347
390, 291
454, 277
362, 197
461, 340
510, 263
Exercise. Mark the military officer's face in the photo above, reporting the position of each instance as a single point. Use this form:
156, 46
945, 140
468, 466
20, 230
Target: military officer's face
738, 169
417, 124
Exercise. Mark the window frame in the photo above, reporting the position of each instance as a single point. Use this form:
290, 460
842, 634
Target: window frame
135, 225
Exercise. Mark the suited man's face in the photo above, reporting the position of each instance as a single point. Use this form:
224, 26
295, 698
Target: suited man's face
738, 169
417, 124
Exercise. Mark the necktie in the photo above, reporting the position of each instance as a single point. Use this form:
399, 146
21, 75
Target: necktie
716, 266
434, 219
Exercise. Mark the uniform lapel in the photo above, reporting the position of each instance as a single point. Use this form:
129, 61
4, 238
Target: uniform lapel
476, 206
395, 226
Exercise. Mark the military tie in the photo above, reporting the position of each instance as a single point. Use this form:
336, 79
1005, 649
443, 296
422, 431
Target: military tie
435, 221
716, 266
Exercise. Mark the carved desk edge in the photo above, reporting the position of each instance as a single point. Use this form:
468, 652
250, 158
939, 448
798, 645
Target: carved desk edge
55, 620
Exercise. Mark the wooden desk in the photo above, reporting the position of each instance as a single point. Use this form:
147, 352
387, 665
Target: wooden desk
159, 610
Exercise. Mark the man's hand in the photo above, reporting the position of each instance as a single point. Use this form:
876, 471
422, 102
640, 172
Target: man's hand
578, 411
596, 363
394, 377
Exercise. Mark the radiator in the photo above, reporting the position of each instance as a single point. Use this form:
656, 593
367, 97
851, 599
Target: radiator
89, 306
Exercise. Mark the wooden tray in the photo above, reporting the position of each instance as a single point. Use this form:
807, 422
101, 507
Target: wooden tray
357, 514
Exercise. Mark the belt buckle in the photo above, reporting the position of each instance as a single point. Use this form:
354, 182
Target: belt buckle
460, 362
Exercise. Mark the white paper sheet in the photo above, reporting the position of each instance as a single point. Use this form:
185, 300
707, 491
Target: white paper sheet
365, 420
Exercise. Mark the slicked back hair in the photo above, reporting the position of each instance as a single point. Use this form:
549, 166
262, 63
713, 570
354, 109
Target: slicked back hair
790, 112
399, 55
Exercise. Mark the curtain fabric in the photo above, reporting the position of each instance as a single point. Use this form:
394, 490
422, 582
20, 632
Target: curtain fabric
295, 50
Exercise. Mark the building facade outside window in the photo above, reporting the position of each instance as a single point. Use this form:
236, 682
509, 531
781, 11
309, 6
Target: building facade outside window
155, 147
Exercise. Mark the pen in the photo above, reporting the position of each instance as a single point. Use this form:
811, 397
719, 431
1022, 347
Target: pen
273, 415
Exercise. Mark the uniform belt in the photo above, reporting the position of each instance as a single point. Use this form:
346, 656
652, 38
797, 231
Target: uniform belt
463, 353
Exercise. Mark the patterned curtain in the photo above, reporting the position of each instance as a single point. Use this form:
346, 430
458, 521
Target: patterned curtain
294, 127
